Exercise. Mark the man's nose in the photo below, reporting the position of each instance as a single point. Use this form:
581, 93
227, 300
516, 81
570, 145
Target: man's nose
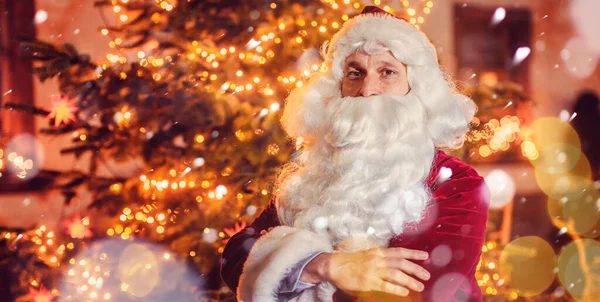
371, 86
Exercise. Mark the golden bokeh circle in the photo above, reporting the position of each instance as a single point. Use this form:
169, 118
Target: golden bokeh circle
557, 185
527, 263
547, 131
579, 269
557, 158
138, 270
577, 210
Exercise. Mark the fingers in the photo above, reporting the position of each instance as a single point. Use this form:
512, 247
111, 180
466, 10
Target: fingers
387, 270
391, 288
265, 231
399, 252
403, 280
408, 267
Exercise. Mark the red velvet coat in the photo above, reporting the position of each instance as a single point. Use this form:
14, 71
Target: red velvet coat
452, 232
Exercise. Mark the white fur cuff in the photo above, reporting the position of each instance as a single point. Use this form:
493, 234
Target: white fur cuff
271, 256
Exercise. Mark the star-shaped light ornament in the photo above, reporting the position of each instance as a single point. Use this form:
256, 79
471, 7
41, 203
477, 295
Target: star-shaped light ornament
232, 231
41, 295
78, 228
62, 110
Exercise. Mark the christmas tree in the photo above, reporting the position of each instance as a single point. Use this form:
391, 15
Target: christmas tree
190, 95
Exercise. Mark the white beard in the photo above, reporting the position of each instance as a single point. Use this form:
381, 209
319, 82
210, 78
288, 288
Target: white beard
364, 179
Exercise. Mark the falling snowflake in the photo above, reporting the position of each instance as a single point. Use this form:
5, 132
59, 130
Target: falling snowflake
443, 175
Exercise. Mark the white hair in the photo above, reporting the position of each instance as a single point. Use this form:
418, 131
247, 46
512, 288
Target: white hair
364, 163
365, 176
448, 112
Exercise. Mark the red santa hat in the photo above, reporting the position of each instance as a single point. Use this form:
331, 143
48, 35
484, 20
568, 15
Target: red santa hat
371, 9
407, 43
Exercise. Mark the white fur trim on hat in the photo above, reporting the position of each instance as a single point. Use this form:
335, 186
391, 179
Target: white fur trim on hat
448, 113
409, 45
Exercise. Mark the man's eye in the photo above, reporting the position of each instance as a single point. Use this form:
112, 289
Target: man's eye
388, 72
353, 74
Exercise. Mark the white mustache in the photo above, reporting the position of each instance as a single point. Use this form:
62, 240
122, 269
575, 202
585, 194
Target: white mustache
372, 120
373, 153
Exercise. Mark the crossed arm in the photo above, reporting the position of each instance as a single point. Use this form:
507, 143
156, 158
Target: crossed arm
452, 232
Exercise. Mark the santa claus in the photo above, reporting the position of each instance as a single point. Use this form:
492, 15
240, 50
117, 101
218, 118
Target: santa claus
370, 208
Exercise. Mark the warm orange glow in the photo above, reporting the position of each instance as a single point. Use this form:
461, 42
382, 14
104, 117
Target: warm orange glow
77, 229
485, 151
232, 231
41, 295
62, 110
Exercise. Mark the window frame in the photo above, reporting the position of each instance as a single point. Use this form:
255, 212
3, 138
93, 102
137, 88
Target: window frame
514, 31
16, 83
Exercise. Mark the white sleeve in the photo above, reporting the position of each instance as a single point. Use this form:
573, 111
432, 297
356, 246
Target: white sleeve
272, 256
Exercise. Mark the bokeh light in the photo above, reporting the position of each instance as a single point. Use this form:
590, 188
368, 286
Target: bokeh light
40, 17
579, 269
579, 60
309, 58
25, 155
547, 131
439, 290
584, 15
564, 185
557, 158
121, 270
127, 270
528, 265
135, 264
554, 149
502, 188
577, 209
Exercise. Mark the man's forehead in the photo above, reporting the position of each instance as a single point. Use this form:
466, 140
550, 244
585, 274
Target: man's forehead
382, 59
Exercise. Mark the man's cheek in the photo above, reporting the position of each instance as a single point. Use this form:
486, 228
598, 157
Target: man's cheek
350, 88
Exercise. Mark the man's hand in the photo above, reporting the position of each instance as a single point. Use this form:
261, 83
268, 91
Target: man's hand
385, 270
263, 232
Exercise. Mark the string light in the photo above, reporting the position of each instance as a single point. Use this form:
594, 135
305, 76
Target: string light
498, 136
215, 57
155, 184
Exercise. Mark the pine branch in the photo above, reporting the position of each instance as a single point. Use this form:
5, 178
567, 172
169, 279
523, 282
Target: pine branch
26, 108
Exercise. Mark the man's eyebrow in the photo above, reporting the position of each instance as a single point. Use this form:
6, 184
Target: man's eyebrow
384, 63
355, 65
